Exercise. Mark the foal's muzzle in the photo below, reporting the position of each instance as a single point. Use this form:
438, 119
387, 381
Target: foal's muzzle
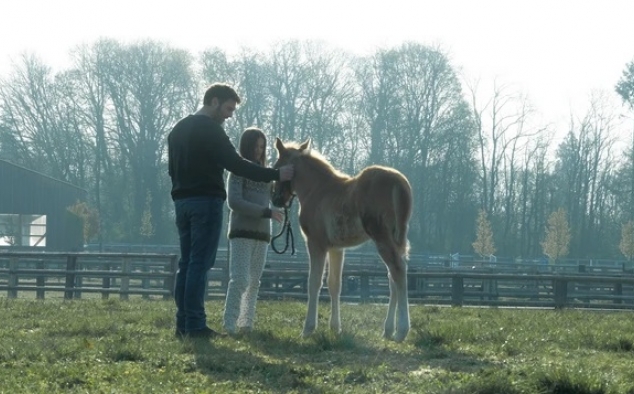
278, 201
282, 194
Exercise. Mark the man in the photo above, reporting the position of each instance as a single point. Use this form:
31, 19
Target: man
199, 151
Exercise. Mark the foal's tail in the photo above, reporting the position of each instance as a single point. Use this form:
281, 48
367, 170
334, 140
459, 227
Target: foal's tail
402, 200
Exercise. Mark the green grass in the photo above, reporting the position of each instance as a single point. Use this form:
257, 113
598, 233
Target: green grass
112, 346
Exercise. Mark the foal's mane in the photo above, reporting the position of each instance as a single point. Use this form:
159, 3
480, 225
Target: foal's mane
318, 162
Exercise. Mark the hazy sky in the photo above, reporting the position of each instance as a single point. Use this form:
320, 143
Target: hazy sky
555, 51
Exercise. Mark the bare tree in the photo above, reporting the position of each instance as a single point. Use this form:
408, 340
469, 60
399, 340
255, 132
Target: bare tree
328, 92
150, 85
533, 197
39, 111
583, 173
287, 88
92, 94
501, 130
217, 66
413, 105
252, 74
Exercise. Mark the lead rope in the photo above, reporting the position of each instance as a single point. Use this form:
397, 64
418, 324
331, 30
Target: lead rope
289, 232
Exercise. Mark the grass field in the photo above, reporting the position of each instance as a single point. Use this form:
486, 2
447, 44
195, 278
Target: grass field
113, 346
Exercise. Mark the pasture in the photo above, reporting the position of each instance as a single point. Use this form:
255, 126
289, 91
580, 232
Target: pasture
118, 346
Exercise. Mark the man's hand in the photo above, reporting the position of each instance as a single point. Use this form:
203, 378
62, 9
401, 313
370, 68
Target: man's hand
277, 216
287, 172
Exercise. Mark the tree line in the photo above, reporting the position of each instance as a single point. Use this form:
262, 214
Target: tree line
101, 124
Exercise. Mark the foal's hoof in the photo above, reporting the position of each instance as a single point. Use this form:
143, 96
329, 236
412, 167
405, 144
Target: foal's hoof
400, 336
388, 335
307, 332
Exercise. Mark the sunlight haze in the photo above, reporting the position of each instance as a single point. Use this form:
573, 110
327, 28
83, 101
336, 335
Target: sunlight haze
556, 52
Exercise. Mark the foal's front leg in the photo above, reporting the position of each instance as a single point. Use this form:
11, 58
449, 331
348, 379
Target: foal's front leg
335, 266
315, 277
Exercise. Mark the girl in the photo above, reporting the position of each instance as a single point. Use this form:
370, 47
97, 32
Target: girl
249, 235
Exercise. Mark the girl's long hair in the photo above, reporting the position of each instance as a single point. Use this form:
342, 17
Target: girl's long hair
248, 142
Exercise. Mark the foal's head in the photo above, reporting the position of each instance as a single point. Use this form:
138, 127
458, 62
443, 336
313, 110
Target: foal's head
286, 154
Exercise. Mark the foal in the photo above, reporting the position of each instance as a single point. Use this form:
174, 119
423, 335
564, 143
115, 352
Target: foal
337, 212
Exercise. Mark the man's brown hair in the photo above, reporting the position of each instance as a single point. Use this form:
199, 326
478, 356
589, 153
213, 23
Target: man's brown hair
222, 92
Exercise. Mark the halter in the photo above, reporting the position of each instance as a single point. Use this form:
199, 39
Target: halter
289, 231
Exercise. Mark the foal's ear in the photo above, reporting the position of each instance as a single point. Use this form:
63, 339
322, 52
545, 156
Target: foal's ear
279, 145
305, 145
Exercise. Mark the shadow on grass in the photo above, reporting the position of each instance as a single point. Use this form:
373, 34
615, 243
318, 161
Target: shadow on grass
324, 349
223, 363
435, 352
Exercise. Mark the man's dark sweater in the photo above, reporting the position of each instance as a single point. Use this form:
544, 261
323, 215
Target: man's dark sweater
199, 151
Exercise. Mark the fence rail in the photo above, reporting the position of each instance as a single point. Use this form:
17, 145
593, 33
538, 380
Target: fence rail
151, 275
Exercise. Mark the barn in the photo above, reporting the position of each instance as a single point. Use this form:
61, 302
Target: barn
34, 211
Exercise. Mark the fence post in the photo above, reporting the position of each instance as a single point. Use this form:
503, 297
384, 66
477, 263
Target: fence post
145, 282
40, 281
618, 291
79, 281
125, 279
489, 288
105, 282
13, 278
560, 289
365, 288
169, 281
412, 282
457, 290
71, 266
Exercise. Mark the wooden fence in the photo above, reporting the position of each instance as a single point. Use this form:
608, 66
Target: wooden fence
151, 275
73, 274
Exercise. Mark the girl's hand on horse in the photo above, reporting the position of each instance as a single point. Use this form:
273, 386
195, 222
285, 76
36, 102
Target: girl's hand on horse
286, 172
277, 216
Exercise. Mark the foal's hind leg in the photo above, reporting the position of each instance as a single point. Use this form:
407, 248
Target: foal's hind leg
335, 266
398, 308
315, 277
390, 318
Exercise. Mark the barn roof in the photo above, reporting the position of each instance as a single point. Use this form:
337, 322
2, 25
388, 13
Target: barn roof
15, 167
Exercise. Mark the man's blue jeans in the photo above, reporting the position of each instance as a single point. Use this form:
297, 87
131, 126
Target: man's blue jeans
199, 223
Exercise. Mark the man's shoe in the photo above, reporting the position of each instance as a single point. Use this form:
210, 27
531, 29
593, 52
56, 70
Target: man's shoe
204, 333
179, 334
